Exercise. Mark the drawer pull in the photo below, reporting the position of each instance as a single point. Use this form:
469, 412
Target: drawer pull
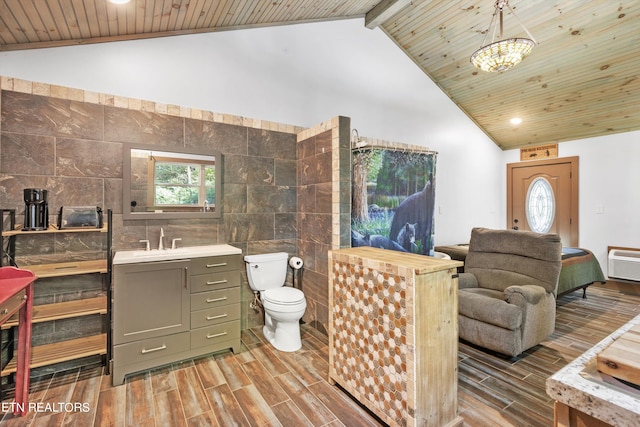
216, 299
222, 264
219, 316
151, 350
221, 334
217, 282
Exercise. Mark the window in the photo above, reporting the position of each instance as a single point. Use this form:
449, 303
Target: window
177, 182
540, 205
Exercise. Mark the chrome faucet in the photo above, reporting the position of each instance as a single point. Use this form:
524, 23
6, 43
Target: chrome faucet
161, 243
205, 207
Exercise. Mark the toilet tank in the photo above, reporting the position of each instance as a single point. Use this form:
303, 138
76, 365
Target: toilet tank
266, 271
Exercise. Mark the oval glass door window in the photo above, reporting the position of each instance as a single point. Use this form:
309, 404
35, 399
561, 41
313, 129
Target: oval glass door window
540, 205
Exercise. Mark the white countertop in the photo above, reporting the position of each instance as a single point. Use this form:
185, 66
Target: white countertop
138, 256
581, 386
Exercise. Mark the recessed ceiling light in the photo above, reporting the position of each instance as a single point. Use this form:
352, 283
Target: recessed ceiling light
119, 1
516, 121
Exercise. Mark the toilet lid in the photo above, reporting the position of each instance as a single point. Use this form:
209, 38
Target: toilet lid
283, 295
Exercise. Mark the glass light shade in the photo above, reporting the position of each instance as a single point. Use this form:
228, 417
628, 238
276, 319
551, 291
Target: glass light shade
502, 55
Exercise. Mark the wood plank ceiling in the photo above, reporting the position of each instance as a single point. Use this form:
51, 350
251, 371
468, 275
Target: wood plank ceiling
582, 80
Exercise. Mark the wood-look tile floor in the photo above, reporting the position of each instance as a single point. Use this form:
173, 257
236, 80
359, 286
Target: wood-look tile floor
263, 387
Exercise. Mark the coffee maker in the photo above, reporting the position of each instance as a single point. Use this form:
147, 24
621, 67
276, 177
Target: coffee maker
36, 211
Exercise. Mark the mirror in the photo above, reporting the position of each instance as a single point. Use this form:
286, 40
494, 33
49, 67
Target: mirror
164, 183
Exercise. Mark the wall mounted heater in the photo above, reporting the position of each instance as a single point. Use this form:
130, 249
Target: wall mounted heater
624, 264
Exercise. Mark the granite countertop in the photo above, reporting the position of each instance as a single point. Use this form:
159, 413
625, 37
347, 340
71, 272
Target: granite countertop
581, 386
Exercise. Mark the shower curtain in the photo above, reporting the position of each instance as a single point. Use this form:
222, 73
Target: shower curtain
393, 197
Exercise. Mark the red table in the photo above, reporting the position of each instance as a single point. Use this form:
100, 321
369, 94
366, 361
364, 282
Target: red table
16, 293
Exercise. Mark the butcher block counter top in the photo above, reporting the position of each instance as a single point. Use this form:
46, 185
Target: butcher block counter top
581, 386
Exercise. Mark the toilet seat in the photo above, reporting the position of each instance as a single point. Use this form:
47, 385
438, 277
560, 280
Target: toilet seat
285, 295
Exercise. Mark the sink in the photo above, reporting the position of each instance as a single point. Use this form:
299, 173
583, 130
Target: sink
138, 256
155, 252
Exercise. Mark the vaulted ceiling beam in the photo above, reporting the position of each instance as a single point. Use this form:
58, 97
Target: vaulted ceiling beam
383, 11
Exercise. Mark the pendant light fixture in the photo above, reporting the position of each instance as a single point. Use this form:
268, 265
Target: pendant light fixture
503, 54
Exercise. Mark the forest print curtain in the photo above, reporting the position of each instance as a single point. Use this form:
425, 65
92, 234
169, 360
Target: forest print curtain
393, 196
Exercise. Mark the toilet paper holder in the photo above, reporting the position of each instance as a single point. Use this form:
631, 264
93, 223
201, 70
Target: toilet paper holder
296, 263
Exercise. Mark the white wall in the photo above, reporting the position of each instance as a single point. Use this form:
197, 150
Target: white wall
302, 75
609, 190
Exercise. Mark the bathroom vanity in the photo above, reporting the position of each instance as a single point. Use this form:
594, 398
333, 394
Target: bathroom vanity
174, 304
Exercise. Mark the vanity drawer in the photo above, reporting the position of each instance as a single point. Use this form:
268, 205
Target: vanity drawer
211, 299
152, 348
215, 281
213, 335
215, 315
214, 264
11, 305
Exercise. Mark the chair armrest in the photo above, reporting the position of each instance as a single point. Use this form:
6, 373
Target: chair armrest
531, 294
467, 280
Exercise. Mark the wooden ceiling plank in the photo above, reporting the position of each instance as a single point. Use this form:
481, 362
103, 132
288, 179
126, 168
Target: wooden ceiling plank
146, 14
232, 13
24, 20
91, 14
256, 11
259, 11
230, 16
102, 18
176, 17
214, 18
270, 13
58, 17
208, 19
7, 21
69, 16
164, 15
43, 18
243, 13
193, 11
139, 17
81, 18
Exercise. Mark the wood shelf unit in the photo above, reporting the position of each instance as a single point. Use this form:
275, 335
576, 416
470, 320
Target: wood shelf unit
68, 268
62, 351
17, 231
63, 310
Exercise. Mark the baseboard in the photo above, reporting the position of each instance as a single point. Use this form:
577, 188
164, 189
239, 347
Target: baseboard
627, 287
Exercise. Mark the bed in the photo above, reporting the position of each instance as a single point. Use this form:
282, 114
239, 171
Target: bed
580, 268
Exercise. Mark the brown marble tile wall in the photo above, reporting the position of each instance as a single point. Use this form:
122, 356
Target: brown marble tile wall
74, 150
321, 193
285, 188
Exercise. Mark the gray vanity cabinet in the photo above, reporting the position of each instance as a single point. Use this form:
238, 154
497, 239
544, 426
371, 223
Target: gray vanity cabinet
150, 300
166, 311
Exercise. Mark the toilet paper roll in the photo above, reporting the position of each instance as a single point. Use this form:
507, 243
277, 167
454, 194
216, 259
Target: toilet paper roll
295, 263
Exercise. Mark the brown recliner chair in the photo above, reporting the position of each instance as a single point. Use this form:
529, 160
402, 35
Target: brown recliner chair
507, 293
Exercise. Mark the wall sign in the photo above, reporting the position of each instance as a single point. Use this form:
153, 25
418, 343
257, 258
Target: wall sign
549, 151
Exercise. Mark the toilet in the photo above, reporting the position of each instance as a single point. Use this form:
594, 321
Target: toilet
441, 255
283, 306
